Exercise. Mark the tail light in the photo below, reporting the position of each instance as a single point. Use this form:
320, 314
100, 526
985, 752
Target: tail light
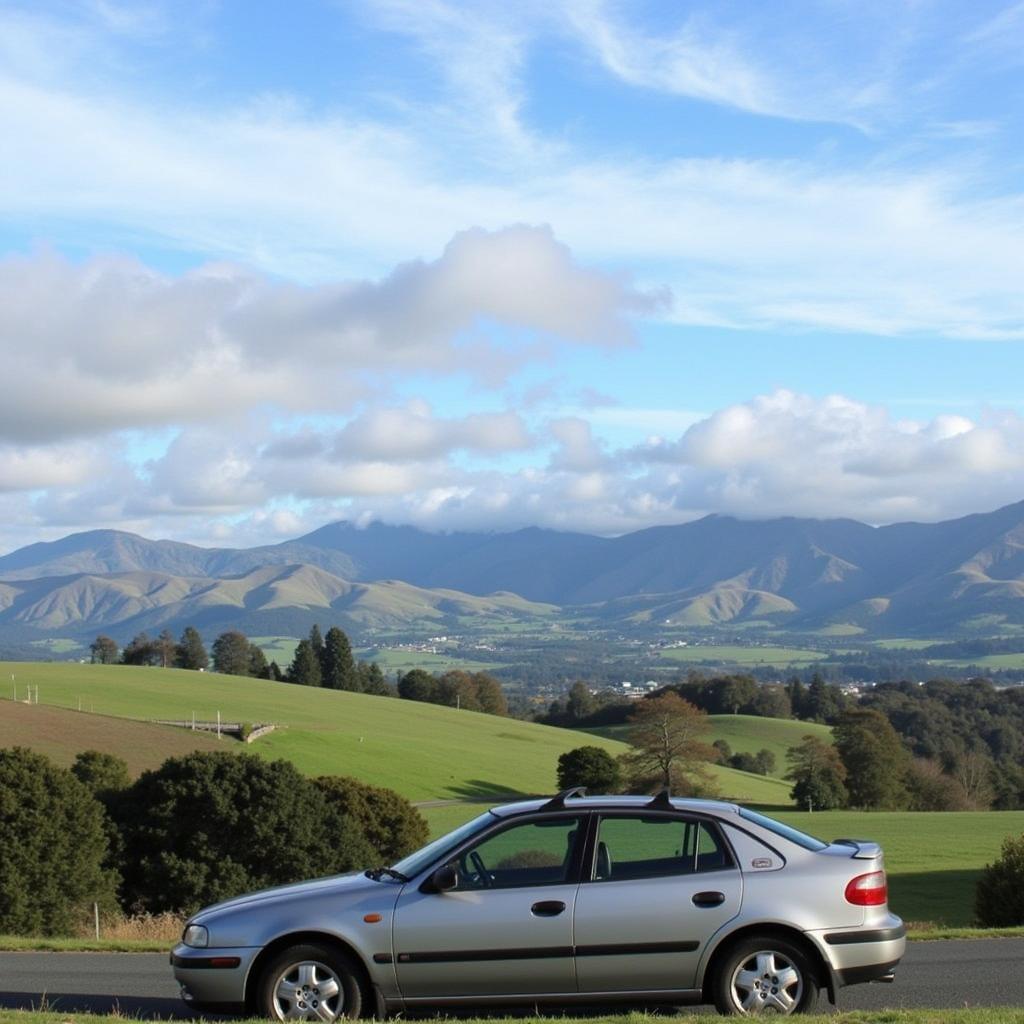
868, 890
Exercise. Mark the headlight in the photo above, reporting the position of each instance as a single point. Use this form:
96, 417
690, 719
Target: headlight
197, 936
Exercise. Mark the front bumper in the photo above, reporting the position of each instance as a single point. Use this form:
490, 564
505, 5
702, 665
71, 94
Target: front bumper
213, 979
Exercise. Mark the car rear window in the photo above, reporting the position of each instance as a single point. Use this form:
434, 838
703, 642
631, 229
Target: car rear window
794, 835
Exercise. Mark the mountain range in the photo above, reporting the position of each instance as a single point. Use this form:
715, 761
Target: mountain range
961, 575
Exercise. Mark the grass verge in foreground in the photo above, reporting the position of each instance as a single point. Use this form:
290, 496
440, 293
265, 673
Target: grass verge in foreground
993, 1015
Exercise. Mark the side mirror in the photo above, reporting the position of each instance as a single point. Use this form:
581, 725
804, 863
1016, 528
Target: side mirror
445, 878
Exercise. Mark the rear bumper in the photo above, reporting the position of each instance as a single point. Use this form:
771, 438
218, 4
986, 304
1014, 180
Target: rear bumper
859, 955
213, 980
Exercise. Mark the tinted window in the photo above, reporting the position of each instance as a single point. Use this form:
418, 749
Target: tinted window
630, 847
794, 835
423, 858
532, 853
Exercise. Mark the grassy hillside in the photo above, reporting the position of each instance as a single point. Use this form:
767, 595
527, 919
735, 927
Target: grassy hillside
61, 734
424, 752
747, 734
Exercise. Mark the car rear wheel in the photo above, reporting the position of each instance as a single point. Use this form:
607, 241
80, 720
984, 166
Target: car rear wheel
764, 975
311, 983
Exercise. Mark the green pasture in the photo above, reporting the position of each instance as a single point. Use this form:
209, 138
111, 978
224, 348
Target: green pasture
421, 750
746, 734
277, 648
393, 659
904, 644
58, 645
992, 661
733, 654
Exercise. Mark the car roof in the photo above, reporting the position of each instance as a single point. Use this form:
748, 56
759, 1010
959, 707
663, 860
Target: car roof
592, 803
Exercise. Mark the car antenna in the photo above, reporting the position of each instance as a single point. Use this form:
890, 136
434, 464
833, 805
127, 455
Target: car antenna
661, 802
557, 803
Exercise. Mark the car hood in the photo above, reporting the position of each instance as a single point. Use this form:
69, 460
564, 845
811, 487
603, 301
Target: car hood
336, 885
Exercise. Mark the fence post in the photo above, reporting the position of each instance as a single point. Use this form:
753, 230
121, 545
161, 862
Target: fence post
96, 918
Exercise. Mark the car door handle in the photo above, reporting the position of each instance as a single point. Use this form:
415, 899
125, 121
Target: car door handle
547, 908
708, 899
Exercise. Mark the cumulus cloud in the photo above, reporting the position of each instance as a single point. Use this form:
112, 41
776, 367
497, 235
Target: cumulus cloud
111, 344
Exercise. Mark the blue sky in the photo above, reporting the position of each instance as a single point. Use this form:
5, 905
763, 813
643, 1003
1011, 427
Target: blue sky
590, 265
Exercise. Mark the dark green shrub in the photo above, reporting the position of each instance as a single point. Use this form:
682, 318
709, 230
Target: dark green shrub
52, 845
102, 774
999, 894
591, 767
208, 826
390, 824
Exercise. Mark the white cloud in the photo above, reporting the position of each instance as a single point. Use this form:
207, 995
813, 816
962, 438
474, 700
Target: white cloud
110, 344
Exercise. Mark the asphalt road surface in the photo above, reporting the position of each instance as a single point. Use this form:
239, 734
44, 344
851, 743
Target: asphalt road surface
978, 972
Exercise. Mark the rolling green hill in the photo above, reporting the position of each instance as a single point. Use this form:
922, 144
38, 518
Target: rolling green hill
747, 734
423, 751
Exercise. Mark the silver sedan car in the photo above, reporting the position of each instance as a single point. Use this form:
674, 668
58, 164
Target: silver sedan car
594, 900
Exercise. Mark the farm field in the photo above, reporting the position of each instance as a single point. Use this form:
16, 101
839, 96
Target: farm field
277, 648
61, 734
932, 858
730, 654
392, 659
992, 661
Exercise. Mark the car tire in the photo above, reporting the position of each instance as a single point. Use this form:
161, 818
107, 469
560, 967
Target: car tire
763, 974
303, 980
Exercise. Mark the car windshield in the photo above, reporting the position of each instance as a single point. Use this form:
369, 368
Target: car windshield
794, 835
416, 862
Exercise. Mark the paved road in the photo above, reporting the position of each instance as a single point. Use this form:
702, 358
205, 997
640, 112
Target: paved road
982, 972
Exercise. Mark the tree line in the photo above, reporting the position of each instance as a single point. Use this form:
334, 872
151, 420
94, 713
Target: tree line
72, 837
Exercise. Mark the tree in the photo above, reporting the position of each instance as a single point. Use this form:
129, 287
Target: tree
875, 759
735, 693
139, 651
931, 789
724, 751
390, 824
274, 672
209, 826
973, 771
824, 703
371, 680
258, 667
163, 649
316, 641
305, 667
666, 733
771, 701
52, 846
231, 654
489, 695
817, 774
417, 685
580, 701
103, 651
999, 893
101, 773
338, 668
190, 652
592, 767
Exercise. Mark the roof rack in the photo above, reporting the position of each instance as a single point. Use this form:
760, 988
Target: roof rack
661, 802
557, 803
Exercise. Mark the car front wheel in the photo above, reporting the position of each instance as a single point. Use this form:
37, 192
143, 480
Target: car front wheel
310, 983
763, 975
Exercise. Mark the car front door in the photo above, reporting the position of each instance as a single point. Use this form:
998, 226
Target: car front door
506, 927
658, 886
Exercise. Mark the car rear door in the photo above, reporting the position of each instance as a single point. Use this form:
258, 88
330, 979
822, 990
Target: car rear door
506, 929
656, 888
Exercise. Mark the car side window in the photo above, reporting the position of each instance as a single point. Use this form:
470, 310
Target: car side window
538, 852
653, 846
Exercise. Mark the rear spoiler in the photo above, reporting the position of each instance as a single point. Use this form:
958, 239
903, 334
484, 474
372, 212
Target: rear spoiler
864, 849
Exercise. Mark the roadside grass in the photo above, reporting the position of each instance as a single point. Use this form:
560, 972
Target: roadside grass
989, 1015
